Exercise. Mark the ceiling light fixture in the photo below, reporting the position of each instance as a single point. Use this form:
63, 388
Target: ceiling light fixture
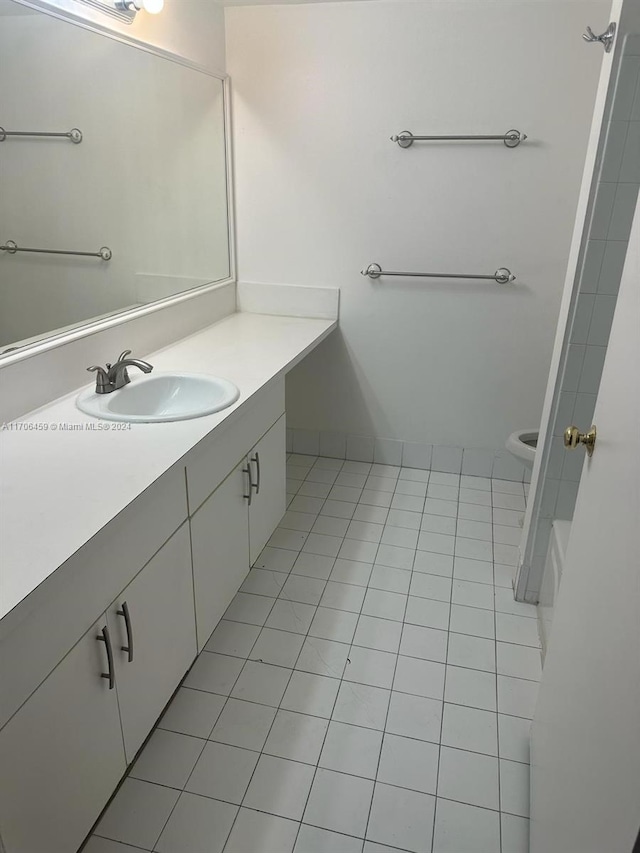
151, 6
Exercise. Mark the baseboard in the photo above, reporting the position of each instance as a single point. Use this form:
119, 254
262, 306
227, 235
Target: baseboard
474, 461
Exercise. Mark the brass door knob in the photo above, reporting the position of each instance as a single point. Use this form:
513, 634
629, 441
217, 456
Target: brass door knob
573, 437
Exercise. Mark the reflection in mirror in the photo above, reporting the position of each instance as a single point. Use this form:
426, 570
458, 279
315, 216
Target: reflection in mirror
147, 180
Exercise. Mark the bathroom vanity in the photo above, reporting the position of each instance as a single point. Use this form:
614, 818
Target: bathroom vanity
121, 543
122, 547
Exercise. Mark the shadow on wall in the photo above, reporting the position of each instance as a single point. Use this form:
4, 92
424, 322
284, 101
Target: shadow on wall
311, 383
315, 428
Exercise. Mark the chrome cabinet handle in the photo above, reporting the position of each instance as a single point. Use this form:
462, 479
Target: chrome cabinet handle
256, 459
104, 637
247, 471
127, 622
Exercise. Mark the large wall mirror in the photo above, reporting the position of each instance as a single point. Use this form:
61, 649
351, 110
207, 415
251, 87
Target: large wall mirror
147, 181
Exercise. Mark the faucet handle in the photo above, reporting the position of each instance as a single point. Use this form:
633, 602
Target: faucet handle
103, 383
124, 355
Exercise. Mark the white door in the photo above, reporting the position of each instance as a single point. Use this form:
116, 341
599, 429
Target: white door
62, 755
585, 748
220, 547
268, 465
155, 644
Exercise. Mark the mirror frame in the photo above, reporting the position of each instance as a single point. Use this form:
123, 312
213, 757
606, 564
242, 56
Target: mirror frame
91, 327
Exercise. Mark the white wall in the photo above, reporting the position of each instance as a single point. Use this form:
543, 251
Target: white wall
322, 192
191, 28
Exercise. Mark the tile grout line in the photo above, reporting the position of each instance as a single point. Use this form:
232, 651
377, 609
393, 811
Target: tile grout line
317, 767
291, 676
469, 606
495, 652
317, 515
226, 702
494, 617
279, 706
386, 718
168, 787
444, 689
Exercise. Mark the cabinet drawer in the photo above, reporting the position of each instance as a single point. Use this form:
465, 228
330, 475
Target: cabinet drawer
70, 600
214, 458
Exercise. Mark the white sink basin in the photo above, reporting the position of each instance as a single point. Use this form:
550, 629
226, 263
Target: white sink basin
161, 397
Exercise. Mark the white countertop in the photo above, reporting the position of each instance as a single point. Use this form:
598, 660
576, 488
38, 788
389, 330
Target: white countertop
59, 486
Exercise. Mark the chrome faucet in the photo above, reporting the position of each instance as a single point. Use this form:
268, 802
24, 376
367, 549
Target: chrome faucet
117, 373
115, 376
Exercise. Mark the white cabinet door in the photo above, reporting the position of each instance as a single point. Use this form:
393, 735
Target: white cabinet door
63, 607
155, 643
268, 472
62, 754
220, 549
585, 737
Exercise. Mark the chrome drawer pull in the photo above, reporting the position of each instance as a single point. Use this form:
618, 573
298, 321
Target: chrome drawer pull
256, 486
104, 637
247, 471
127, 622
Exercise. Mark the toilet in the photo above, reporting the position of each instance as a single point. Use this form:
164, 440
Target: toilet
522, 444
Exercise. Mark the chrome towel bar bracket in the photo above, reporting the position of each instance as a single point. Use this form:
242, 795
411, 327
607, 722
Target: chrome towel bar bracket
500, 276
74, 135
512, 138
12, 248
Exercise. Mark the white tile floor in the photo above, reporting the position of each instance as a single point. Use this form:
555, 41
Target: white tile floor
369, 688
